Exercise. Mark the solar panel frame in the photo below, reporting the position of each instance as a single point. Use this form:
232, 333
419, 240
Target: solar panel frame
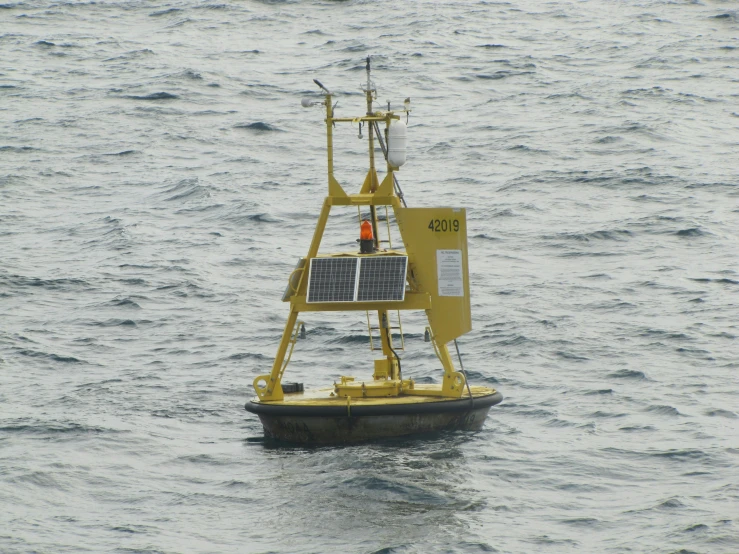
363, 279
382, 279
332, 280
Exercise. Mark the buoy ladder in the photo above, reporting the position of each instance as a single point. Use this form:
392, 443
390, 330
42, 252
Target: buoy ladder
375, 336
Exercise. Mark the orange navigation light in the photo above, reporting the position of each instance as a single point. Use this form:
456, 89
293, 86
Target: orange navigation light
366, 238
366, 231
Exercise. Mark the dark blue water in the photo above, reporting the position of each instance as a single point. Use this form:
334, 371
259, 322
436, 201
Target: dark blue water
159, 180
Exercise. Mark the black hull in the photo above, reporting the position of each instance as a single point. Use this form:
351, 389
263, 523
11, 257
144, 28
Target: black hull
336, 425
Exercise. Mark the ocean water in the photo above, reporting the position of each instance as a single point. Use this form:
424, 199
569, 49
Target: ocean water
159, 180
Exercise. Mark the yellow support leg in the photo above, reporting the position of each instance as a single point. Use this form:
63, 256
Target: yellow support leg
454, 381
269, 387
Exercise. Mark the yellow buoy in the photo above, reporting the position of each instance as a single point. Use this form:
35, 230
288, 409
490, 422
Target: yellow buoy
430, 274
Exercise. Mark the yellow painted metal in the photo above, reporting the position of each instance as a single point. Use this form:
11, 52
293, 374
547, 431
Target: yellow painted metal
413, 301
335, 190
400, 330
373, 389
447, 307
269, 387
370, 183
386, 338
369, 331
382, 369
427, 234
357, 254
386, 188
433, 342
382, 117
387, 223
318, 233
370, 389
418, 391
371, 140
293, 282
420, 394
329, 140
454, 381
365, 200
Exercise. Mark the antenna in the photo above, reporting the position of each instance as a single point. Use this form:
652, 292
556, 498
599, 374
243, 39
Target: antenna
368, 87
316, 81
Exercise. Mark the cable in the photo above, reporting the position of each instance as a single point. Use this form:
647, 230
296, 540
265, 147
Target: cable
387, 327
461, 366
398, 190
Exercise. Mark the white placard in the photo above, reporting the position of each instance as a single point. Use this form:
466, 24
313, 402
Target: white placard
449, 272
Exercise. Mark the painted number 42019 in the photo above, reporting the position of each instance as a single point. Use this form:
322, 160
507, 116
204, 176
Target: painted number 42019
444, 225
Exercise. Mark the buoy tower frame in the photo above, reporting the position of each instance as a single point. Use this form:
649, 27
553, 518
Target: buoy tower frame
427, 234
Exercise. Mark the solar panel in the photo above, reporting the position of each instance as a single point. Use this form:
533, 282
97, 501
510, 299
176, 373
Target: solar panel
332, 280
364, 279
382, 278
